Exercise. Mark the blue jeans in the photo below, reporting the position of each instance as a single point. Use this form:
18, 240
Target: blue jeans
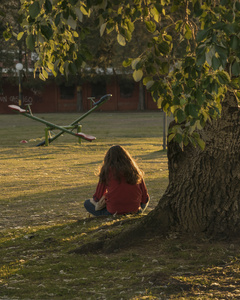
104, 212
91, 209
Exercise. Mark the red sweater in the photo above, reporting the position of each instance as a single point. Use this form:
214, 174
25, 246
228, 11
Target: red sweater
122, 197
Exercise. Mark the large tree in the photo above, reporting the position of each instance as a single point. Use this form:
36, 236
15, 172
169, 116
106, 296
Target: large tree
191, 67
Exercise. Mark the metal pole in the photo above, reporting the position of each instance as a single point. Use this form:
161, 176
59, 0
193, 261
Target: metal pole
19, 67
51, 125
20, 99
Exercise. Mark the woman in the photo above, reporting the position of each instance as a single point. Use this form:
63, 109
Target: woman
121, 188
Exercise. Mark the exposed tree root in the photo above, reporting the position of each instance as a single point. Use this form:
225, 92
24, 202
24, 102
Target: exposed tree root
143, 228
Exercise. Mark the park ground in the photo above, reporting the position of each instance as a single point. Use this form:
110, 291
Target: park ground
43, 222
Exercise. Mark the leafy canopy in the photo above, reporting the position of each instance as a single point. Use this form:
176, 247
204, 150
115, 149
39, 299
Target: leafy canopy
191, 58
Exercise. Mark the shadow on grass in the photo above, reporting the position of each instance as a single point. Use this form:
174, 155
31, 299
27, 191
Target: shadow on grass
56, 206
154, 155
180, 266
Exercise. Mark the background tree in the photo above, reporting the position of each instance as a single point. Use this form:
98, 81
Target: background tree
191, 67
108, 55
13, 50
9, 51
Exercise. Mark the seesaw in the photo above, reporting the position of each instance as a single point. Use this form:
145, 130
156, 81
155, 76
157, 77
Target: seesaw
67, 129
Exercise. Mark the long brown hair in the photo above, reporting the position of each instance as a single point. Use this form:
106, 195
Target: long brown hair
121, 164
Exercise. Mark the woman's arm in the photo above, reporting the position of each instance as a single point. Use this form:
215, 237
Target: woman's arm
100, 191
145, 195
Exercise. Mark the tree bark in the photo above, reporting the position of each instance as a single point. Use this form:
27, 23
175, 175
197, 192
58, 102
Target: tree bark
204, 186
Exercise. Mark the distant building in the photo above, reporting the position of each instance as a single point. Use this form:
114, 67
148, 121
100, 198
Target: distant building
55, 97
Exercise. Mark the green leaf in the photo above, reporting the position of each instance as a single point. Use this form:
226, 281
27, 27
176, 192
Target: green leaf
165, 67
46, 31
202, 34
50, 66
7, 35
197, 8
235, 68
130, 26
155, 14
121, 40
149, 84
30, 41
41, 76
201, 143
188, 32
223, 53
151, 26
181, 117
57, 19
192, 110
72, 23
158, 7
183, 101
191, 83
177, 89
137, 75
171, 136
48, 6
235, 82
127, 35
44, 73
216, 63
34, 9
135, 62
163, 47
79, 14
201, 60
127, 62
75, 34
200, 96
237, 5
178, 138
20, 35
209, 55
83, 10
223, 77
102, 28
72, 68
234, 42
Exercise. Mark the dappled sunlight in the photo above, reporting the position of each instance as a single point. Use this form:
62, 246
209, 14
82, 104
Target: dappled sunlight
218, 282
10, 269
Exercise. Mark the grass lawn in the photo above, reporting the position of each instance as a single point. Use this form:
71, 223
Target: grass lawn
42, 219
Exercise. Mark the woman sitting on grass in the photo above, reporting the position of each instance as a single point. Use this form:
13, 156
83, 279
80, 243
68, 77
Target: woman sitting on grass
121, 188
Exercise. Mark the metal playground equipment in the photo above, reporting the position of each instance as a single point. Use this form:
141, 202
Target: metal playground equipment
67, 129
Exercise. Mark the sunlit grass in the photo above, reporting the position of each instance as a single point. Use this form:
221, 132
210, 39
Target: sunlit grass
50, 184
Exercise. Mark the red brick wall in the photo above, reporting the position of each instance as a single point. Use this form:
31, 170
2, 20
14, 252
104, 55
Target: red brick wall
41, 101
49, 99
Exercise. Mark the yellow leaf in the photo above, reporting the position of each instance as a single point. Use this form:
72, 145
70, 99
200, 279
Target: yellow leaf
137, 75
121, 40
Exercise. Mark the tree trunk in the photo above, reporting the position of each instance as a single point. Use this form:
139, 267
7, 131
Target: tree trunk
141, 102
204, 186
79, 99
203, 194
